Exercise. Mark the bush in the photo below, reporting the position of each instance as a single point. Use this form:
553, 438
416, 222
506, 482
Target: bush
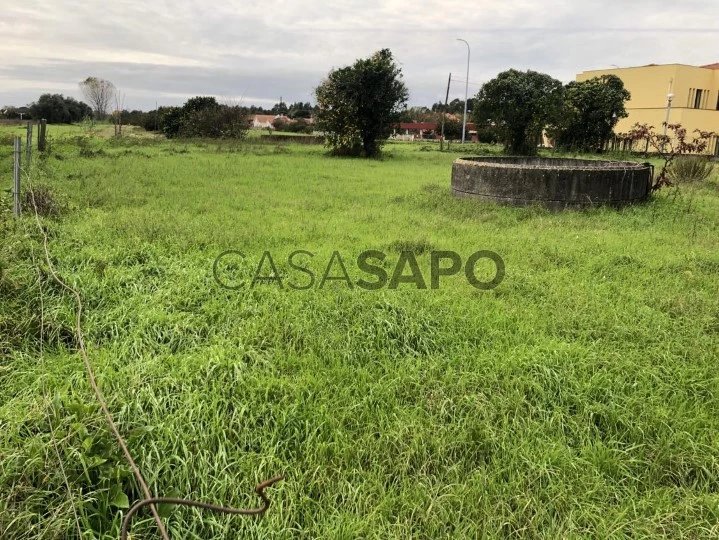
217, 122
691, 170
170, 121
299, 126
487, 135
201, 117
280, 124
47, 202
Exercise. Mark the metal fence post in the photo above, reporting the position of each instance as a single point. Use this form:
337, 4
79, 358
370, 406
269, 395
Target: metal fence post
28, 147
16, 178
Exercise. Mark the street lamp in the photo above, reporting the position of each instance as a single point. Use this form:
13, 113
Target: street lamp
466, 90
670, 97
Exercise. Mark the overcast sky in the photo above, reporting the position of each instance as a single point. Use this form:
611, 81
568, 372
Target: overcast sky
165, 51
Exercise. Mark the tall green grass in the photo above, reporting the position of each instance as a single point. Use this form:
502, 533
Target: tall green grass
577, 399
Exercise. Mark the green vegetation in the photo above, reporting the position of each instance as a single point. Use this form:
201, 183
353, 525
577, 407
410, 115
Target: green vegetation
358, 104
518, 105
577, 399
58, 109
592, 109
691, 169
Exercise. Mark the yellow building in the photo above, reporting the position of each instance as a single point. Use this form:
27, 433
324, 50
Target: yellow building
693, 90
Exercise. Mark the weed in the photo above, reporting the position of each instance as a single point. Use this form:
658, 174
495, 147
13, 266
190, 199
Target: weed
691, 169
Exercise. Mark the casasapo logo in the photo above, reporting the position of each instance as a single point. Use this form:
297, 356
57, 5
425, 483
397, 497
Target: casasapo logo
234, 270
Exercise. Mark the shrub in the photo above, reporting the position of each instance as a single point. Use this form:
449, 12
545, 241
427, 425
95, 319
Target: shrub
170, 121
217, 122
47, 202
299, 126
280, 124
691, 169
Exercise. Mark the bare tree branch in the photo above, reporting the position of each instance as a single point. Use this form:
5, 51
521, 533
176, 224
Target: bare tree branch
100, 93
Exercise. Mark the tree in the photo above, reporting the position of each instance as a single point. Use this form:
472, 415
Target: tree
519, 104
199, 103
9, 111
592, 109
216, 122
358, 104
170, 121
279, 108
201, 116
58, 109
300, 110
418, 114
100, 93
452, 128
456, 106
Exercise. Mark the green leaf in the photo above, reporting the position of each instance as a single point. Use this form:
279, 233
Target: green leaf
119, 499
165, 510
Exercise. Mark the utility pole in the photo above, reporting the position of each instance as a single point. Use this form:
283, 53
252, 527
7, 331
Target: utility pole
444, 112
466, 91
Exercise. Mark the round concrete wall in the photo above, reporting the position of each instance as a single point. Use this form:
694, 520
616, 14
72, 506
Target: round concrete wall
553, 182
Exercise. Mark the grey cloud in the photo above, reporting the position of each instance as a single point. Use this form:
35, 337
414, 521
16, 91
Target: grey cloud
271, 48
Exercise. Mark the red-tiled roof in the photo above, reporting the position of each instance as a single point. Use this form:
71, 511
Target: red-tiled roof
712, 66
418, 125
264, 117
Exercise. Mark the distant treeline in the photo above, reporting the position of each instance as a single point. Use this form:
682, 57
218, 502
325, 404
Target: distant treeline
59, 109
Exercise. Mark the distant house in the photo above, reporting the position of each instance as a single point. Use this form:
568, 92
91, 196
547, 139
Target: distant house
264, 121
425, 130
419, 130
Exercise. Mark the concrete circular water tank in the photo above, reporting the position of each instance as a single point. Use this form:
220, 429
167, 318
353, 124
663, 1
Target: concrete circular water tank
553, 182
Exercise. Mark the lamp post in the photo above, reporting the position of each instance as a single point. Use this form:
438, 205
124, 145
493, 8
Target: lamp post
466, 90
670, 97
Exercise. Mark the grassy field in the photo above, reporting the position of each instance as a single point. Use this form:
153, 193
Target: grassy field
579, 398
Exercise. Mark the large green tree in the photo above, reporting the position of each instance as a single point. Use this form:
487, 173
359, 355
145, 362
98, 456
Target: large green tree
58, 109
359, 103
519, 105
592, 110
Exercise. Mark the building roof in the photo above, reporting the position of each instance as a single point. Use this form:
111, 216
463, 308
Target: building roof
708, 66
418, 125
264, 117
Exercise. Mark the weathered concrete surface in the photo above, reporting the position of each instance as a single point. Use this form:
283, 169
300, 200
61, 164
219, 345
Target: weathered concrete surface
554, 182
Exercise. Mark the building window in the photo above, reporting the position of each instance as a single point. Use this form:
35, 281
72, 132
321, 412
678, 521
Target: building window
717, 101
698, 99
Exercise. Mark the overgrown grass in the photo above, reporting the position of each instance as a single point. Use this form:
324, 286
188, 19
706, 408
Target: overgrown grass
577, 399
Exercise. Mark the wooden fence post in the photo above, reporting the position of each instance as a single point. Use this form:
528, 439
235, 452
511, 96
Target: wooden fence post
16, 178
41, 135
